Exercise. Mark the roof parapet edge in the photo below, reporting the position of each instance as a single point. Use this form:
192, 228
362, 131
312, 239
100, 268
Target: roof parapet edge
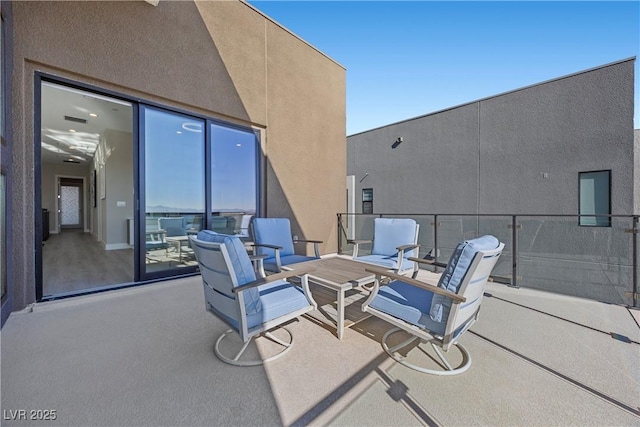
292, 33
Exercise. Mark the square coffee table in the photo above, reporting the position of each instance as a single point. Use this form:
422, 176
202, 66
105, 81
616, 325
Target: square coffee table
338, 275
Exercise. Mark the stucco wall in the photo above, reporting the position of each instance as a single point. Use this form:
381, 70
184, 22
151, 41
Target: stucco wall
118, 188
221, 59
636, 171
490, 156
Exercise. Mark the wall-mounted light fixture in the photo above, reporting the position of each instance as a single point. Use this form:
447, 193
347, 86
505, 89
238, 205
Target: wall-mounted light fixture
398, 142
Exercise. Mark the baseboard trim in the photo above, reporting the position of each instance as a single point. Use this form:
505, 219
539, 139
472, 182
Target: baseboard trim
116, 246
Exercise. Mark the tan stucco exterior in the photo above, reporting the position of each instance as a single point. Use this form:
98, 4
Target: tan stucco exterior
219, 59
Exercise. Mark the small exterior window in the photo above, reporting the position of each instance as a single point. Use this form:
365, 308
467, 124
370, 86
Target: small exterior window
367, 200
595, 198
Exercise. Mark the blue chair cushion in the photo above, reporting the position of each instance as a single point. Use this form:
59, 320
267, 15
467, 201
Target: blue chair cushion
408, 303
390, 262
389, 233
277, 299
241, 264
173, 226
454, 273
273, 231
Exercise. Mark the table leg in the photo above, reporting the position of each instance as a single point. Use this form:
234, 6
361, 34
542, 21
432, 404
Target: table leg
340, 314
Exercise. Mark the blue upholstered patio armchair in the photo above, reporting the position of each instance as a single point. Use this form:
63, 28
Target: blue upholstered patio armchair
251, 307
272, 239
435, 313
395, 240
174, 226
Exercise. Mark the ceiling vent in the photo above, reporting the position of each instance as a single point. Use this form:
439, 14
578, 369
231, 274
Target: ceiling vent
75, 119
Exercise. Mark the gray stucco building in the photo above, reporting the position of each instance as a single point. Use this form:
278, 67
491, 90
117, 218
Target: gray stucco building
519, 152
521, 165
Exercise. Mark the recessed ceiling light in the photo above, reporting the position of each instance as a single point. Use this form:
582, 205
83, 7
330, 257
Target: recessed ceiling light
179, 133
238, 145
192, 127
93, 115
72, 130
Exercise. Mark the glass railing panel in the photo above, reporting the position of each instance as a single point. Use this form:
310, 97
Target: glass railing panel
556, 254
360, 227
355, 227
426, 235
552, 253
501, 228
453, 229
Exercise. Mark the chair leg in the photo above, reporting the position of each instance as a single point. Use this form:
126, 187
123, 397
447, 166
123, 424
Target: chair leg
449, 370
237, 360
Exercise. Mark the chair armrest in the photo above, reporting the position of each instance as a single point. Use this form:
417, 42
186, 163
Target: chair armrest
273, 278
401, 250
405, 247
315, 245
356, 246
357, 242
258, 263
307, 241
423, 285
427, 261
266, 245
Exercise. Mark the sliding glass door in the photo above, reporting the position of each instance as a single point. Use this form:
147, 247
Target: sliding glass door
234, 187
126, 183
174, 189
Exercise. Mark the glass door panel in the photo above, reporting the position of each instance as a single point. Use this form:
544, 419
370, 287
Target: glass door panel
174, 179
234, 165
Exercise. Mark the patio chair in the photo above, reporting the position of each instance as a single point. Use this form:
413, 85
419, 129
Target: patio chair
154, 239
154, 235
395, 240
251, 307
272, 238
174, 226
439, 314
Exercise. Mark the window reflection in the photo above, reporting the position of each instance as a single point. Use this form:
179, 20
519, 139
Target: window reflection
233, 179
174, 187
3, 234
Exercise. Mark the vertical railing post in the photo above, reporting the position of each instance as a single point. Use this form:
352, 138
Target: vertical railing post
514, 251
435, 239
339, 236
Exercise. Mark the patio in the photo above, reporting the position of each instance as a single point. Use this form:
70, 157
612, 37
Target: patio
144, 356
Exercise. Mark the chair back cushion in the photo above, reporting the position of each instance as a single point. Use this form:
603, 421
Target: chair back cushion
389, 233
455, 272
173, 226
273, 231
222, 275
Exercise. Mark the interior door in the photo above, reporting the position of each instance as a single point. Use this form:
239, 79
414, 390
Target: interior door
70, 203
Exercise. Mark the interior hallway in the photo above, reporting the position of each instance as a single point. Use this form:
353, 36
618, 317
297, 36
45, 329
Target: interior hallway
74, 261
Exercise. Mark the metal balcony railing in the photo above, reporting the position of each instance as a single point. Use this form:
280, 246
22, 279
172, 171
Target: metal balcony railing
546, 252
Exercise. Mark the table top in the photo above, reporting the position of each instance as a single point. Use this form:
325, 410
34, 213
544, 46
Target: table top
176, 238
336, 272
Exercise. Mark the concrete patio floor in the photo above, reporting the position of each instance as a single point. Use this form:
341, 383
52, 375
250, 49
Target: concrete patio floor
144, 356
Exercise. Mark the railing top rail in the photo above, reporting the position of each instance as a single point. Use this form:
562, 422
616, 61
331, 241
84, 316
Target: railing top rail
493, 215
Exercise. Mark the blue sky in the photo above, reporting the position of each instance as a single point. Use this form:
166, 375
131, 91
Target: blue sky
409, 58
